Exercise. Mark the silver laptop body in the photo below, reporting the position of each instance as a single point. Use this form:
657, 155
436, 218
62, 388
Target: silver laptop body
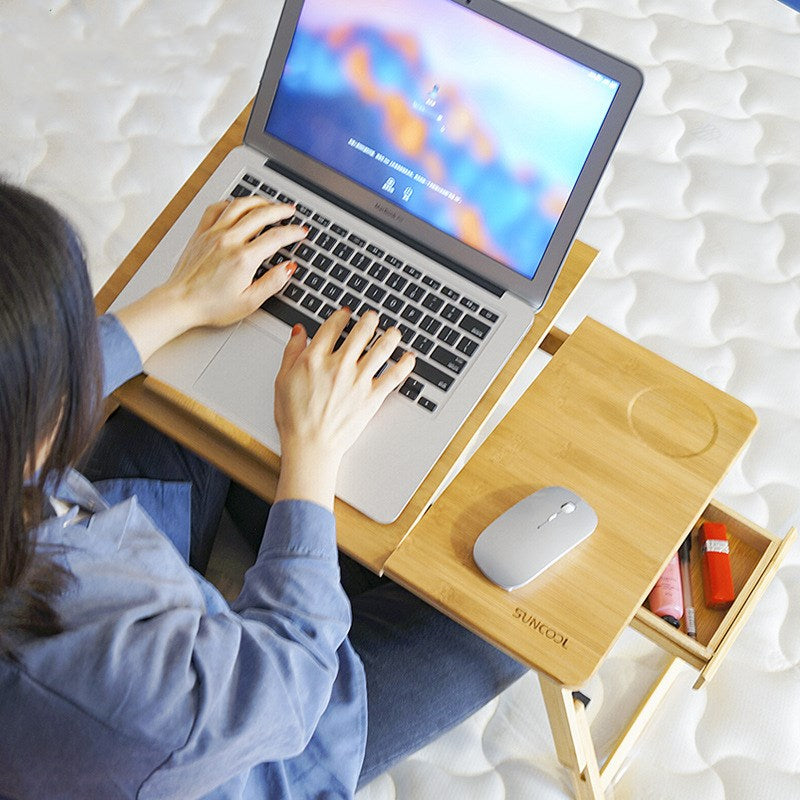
389, 125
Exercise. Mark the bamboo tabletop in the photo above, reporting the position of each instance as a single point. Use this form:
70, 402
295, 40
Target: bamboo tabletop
642, 441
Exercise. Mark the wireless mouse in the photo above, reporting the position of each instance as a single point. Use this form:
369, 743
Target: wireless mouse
524, 541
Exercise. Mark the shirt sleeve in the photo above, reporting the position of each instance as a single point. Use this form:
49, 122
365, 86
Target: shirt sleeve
121, 359
261, 674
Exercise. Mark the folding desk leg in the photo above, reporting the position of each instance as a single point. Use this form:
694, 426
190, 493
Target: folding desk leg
572, 738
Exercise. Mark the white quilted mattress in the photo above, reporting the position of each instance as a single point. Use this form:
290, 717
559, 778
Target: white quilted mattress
108, 106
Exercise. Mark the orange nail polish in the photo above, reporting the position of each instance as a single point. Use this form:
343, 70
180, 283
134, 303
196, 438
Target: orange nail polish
291, 267
297, 329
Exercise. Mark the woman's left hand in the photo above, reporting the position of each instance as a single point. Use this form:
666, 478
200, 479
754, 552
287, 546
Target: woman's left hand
212, 283
214, 275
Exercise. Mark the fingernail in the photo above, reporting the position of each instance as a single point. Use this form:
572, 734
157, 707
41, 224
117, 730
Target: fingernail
291, 267
297, 329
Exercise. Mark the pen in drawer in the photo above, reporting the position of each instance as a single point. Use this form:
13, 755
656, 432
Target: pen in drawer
684, 553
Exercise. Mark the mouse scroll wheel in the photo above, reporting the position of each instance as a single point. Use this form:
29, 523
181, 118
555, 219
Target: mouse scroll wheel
568, 507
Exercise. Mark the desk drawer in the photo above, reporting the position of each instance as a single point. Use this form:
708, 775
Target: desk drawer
756, 555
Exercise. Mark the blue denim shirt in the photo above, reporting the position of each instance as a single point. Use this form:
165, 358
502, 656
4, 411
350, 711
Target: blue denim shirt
157, 688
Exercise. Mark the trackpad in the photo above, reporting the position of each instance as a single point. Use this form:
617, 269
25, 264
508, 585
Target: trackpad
239, 383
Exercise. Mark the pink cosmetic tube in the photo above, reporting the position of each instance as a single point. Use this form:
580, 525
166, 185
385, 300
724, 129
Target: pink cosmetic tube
666, 597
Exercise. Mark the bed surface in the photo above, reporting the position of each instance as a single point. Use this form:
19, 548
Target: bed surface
108, 107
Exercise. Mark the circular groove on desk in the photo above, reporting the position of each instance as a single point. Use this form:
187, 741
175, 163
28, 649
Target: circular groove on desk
672, 421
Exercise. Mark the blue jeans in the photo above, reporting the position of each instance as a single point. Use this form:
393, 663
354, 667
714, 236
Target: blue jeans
425, 673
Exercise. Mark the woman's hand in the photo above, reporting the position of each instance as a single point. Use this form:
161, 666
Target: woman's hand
324, 400
212, 283
214, 274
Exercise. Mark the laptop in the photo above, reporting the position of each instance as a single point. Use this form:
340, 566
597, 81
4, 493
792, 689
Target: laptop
442, 153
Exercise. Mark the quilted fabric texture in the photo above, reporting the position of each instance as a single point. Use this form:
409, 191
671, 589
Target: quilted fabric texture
107, 108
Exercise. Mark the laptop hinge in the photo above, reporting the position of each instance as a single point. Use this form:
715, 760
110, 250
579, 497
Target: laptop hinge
479, 280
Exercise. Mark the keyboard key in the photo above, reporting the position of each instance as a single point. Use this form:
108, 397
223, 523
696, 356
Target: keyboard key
412, 271
284, 198
358, 283
304, 252
262, 270
432, 282
474, 326
339, 273
448, 335
304, 210
311, 303
356, 240
339, 230
278, 258
378, 271
433, 374
360, 261
406, 332
490, 315
447, 359
430, 324
375, 293
325, 241
386, 322
397, 354
428, 405
448, 292
300, 272
364, 308
423, 344
290, 315
268, 190
350, 300
433, 302
343, 251
240, 191
467, 346
313, 230
251, 180
376, 251
322, 221
414, 292
326, 311
314, 281
452, 313
332, 291
411, 388
412, 314
322, 262
393, 261
471, 305
396, 281
393, 303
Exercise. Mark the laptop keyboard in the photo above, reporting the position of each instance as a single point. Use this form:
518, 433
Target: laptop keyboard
337, 267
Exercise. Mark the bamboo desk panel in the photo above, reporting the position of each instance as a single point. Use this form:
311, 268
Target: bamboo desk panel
253, 465
642, 441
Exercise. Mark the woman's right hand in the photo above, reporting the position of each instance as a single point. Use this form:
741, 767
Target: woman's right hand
324, 400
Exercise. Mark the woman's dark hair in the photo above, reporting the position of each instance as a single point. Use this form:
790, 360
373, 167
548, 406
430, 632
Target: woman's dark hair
50, 397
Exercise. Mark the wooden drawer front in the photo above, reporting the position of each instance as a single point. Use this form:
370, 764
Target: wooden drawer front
756, 555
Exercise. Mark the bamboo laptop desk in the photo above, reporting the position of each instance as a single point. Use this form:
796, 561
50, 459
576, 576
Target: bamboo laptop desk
631, 407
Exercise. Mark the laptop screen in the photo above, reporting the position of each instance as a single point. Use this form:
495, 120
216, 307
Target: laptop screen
470, 126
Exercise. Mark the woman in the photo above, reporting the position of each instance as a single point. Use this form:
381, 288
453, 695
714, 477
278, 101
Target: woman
123, 673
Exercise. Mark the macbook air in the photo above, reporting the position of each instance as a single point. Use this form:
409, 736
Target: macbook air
442, 154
